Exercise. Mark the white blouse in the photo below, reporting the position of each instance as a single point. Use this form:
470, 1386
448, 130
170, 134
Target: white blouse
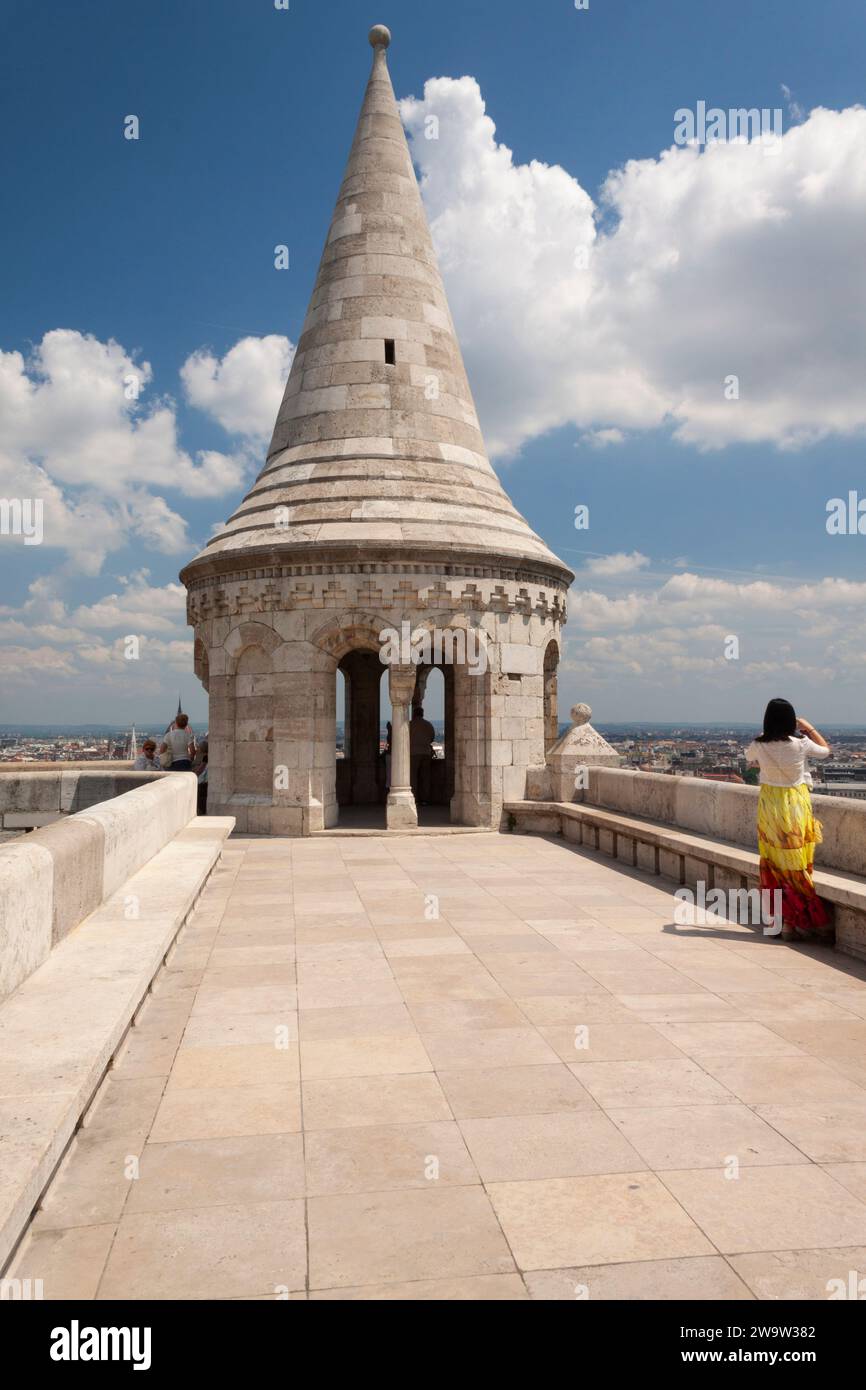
180, 741
785, 764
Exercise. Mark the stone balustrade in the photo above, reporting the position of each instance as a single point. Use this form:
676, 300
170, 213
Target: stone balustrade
36, 795
724, 810
106, 827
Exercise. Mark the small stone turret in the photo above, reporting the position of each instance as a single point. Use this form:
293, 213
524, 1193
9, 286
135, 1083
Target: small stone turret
580, 747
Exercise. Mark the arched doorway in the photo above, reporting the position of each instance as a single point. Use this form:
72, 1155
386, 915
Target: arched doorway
361, 769
551, 702
362, 755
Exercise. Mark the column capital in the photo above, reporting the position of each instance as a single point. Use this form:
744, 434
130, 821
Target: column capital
401, 684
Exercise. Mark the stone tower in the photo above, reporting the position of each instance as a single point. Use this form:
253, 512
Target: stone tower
376, 537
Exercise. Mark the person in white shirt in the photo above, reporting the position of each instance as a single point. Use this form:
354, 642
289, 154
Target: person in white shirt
787, 829
180, 742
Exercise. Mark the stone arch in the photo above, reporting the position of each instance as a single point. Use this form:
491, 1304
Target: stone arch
249, 635
354, 630
551, 704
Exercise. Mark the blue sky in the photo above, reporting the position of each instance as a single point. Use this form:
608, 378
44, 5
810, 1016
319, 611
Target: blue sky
165, 246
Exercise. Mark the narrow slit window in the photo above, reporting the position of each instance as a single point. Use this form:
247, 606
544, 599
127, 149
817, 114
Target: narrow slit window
390, 352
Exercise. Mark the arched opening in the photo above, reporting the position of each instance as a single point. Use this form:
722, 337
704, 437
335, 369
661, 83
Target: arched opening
363, 754
361, 769
551, 705
432, 773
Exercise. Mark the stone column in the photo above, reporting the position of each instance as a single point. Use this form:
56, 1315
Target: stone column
401, 813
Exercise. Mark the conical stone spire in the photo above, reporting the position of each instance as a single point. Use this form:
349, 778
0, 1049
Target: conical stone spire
377, 442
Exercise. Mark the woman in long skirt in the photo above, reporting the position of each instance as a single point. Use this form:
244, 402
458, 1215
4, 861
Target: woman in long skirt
787, 830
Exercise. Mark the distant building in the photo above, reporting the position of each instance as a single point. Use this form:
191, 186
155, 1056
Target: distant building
856, 790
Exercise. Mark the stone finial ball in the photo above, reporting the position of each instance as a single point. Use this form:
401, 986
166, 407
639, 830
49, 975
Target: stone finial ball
380, 36
580, 714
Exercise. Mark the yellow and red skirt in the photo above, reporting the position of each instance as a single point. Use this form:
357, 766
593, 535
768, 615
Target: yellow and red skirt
787, 835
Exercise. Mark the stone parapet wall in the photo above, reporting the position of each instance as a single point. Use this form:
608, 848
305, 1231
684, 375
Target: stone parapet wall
53, 878
70, 765
724, 810
35, 796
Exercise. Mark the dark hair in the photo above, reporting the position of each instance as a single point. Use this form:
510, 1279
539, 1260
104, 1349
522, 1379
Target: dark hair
182, 721
780, 722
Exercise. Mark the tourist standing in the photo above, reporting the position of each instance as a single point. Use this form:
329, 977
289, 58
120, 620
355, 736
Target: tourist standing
386, 754
787, 830
421, 736
179, 743
199, 767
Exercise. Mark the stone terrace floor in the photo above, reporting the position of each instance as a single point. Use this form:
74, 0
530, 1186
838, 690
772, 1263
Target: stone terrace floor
424, 1125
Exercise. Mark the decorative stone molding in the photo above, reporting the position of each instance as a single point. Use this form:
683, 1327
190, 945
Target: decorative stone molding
249, 595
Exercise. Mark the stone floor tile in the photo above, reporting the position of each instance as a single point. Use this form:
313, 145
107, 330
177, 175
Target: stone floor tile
388, 1020
723, 1039
488, 1047
763, 1080
215, 1172
796, 1207
235, 1064
582, 1041
532, 1090
680, 1008
706, 1278
349, 993
465, 1015
814, 1275
556, 1145
376, 1158
210, 1112
702, 1136
363, 1056
124, 1106
616, 1085
207, 1252
850, 1175
827, 1131
227, 998
69, 1262
829, 1039
606, 1219
93, 1182
383, 1237
231, 1030
373, 1100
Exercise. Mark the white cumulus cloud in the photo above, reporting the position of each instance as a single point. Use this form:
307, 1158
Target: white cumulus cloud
635, 310
242, 390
